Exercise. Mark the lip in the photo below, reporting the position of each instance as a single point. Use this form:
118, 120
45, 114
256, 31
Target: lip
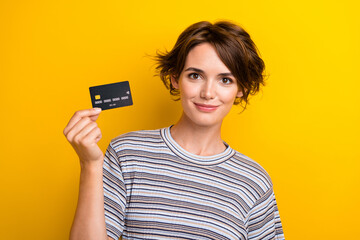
206, 107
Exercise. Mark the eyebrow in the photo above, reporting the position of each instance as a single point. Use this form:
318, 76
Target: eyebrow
201, 71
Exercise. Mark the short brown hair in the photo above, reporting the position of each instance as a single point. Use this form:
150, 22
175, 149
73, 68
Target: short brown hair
234, 47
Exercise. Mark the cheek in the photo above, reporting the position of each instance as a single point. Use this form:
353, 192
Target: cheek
188, 90
229, 96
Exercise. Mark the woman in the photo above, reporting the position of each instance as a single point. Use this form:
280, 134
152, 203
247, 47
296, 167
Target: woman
183, 181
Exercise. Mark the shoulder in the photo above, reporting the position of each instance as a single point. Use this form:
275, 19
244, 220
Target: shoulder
255, 174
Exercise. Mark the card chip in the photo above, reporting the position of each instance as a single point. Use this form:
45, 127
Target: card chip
97, 97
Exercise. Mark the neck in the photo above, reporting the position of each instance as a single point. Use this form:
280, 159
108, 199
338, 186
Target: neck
199, 140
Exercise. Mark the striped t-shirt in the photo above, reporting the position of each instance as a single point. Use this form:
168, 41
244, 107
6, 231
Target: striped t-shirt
155, 189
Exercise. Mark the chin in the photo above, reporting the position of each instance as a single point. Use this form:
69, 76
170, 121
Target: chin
206, 121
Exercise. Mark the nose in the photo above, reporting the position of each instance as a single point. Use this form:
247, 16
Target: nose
208, 90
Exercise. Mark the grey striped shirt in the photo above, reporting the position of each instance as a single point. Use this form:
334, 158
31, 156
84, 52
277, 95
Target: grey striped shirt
154, 189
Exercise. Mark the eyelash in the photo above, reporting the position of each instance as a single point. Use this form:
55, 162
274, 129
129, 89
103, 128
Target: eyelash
228, 80
191, 75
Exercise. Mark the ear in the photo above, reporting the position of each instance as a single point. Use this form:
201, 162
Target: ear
174, 82
239, 94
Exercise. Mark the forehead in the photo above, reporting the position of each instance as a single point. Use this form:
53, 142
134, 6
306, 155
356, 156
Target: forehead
205, 57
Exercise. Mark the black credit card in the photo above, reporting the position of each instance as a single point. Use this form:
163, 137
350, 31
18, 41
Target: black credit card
111, 95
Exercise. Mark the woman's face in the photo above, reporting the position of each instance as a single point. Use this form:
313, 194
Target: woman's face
207, 87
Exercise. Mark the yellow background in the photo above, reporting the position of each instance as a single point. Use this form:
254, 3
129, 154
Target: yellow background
303, 128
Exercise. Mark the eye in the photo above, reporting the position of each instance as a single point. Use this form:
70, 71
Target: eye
194, 76
227, 80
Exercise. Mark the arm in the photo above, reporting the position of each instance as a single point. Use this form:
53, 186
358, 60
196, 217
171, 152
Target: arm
89, 220
83, 134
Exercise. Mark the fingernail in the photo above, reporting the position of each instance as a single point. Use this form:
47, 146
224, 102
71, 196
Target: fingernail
97, 109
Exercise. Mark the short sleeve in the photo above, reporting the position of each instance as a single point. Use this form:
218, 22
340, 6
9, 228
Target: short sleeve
114, 194
264, 220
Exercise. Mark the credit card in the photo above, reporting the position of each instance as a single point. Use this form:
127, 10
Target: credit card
111, 95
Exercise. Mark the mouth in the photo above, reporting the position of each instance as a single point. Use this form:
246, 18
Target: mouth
205, 107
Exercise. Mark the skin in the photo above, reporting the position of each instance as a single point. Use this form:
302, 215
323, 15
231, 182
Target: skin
207, 91
83, 134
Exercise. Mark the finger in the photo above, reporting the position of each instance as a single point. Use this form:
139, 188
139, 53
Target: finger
84, 131
77, 128
80, 114
94, 135
94, 117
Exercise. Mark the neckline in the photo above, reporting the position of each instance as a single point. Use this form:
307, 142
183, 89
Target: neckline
197, 159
